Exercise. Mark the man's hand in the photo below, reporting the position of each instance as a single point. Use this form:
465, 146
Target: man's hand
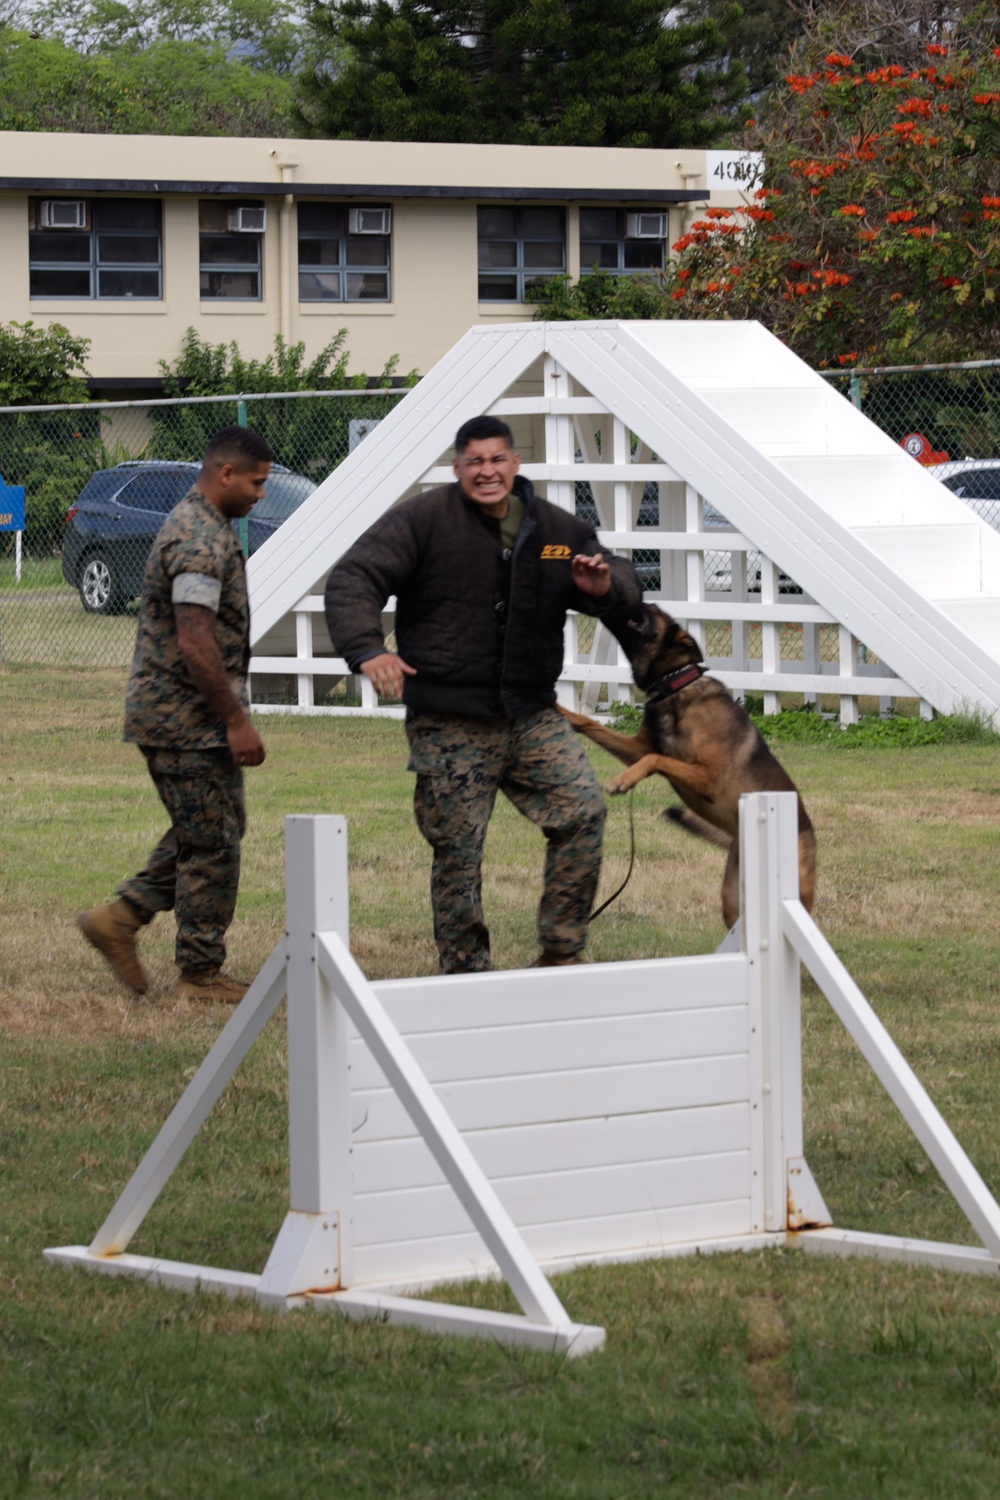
591, 575
387, 673
245, 744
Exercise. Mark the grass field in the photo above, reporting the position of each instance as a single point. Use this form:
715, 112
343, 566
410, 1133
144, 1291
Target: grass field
759, 1375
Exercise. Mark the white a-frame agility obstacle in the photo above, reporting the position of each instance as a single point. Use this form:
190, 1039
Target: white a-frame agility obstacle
524, 1122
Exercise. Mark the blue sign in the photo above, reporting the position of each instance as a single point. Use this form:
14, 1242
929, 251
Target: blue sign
11, 506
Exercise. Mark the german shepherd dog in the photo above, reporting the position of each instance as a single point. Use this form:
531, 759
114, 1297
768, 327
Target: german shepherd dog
697, 736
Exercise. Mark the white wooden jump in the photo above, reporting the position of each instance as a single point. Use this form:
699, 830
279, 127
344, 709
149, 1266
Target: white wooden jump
525, 1122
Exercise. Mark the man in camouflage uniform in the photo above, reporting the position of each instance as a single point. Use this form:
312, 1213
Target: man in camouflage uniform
187, 709
484, 572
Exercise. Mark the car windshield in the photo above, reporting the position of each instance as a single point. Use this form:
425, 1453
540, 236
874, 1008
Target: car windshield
283, 494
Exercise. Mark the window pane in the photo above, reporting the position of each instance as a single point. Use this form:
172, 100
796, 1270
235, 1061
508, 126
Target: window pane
367, 286
643, 255
542, 222
547, 254
327, 217
156, 492
319, 286
230, 249
367, 250
319, 252
599, 224
498, 289
500, 254
59, 284
211, 216
128, 283
244, 284
604, 255
982, 484
49, 245
127, 248
497, 223
127, 213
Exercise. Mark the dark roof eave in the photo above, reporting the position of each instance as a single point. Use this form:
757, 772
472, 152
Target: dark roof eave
346, 190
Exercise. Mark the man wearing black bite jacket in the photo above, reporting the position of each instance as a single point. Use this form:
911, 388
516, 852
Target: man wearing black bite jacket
484, 571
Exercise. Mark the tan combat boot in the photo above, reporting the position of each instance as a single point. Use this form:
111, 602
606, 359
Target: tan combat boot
210, 985
111, 929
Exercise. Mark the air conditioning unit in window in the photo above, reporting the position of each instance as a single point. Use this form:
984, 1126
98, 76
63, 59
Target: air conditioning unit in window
246, 220
645, 226
62, 213
369, 220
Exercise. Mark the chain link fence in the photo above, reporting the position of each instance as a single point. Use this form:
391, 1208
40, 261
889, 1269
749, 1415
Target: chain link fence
99, 478
946, 416
98, 481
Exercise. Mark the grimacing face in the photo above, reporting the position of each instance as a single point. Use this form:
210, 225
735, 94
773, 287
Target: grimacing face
486, 469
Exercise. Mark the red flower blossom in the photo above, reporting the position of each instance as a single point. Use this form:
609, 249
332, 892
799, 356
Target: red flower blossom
838, 60
923, 232
920, 107
676, 296
846, 359
901, 216
853, 208
986, 98
934, 51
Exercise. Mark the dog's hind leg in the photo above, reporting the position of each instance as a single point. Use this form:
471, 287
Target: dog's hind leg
731, 886
699, 827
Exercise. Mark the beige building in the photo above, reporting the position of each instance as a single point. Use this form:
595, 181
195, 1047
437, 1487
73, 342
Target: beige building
130, 240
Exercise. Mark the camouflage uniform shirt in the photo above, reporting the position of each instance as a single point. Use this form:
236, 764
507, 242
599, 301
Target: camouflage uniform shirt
196, 559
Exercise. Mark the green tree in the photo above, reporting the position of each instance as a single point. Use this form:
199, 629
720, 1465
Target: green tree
51, 454
759, 38
263, 34
308, 436
41, 366
545, 72
111, 68
875, 237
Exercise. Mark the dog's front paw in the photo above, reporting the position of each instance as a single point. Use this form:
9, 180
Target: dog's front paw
621, 783
578, 721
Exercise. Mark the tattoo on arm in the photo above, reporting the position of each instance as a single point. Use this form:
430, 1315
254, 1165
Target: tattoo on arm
203, 659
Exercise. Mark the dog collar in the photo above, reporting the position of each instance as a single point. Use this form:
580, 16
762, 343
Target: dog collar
673, 682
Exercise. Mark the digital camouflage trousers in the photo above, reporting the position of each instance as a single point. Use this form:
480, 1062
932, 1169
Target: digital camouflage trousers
195, 868
537, 761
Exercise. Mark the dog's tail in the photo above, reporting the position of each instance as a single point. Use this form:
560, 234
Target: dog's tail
691, 823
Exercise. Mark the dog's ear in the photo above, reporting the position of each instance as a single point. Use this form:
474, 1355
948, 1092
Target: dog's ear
685, 642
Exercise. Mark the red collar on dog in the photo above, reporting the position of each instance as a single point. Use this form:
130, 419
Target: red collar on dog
673, 682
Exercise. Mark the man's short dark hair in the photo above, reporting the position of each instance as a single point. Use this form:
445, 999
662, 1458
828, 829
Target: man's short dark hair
239, 446
480, 430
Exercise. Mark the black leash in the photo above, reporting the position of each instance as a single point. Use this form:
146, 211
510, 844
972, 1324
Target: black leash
631, 863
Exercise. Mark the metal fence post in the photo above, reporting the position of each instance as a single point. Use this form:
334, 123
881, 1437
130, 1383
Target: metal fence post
243, 525
855, 389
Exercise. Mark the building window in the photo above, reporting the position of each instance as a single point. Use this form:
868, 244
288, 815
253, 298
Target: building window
230, 249
343, 252
622, 241
109, 248
517, 247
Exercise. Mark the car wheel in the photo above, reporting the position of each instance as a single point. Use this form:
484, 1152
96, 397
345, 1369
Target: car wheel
100, 590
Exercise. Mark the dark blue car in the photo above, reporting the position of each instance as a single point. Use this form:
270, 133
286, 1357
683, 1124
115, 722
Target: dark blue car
111, 528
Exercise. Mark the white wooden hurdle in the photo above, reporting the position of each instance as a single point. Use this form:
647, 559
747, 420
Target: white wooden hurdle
442, 1128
